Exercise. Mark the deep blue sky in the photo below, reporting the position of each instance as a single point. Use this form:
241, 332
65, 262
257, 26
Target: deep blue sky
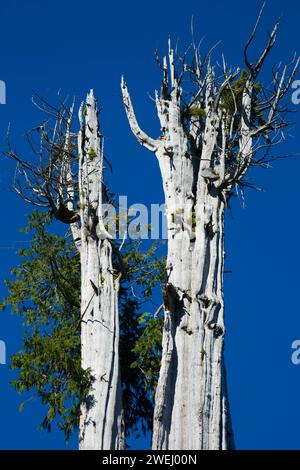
76, 45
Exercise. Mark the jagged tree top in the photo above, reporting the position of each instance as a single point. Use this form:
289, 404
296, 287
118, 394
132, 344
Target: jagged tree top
242, 119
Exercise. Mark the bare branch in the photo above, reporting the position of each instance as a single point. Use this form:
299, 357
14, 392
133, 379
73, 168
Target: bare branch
254, 69
49, 182
269, 46
141, 136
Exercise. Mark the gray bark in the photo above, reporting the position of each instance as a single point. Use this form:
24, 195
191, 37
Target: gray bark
191, 406
101, 423
70, 168
205, 149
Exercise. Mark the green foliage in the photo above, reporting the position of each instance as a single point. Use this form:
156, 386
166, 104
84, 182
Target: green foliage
144, 269
140, 333
193, 220
231, 101
147, 350
45, 291
138, 381
91, 153
197, 111
231, 97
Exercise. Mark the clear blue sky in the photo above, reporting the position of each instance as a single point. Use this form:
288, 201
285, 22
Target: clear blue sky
76, 45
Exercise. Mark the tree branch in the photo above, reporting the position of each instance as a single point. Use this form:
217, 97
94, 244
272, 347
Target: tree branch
140, 135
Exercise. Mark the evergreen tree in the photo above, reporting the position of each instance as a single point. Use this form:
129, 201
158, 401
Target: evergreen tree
45, 292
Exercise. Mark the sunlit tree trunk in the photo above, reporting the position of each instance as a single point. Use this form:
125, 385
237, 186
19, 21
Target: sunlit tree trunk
67, 179
191, 406
205, 148
101, 423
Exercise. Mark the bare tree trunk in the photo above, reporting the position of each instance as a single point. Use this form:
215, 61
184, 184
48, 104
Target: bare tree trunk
191, 410
191, 405
210, 136
70, 169
101, 423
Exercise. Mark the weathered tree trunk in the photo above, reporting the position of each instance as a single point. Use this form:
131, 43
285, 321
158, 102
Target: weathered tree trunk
208, 142
101, 423
62, 177
191, 406
191, 410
